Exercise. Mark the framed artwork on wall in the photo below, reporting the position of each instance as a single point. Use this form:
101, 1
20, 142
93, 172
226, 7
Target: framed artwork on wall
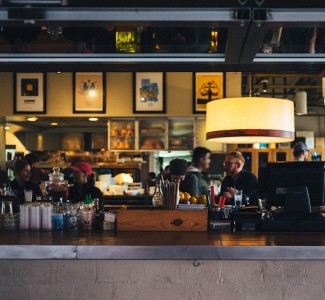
149, 92
29, 93
89, 92
207, 87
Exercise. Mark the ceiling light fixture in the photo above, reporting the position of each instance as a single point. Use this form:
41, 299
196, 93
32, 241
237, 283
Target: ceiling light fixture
264, 85
54, 124
92, 119
301, 103
7, 127
32, 119
250, 120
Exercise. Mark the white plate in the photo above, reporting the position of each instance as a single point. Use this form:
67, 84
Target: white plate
191, 206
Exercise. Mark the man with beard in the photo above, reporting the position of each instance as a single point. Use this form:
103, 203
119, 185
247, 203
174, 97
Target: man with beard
237, 178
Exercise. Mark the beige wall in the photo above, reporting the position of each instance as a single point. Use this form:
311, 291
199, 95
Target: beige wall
119, 97
119, 94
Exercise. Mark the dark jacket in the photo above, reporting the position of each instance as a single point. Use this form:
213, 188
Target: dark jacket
19, 190
189, 184
79, 193
246, 181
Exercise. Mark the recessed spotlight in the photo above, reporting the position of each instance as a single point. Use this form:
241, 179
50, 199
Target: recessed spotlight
7, 127
32, 119
54, 124
93, 119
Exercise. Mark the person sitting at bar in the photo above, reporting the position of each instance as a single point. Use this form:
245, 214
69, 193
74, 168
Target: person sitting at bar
178, 171
237, 178
300, 151
200, 163
22, 183
84, 184
35, 172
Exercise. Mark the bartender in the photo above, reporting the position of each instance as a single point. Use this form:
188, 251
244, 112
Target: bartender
22, 183
178, 171
237, 178
84, 184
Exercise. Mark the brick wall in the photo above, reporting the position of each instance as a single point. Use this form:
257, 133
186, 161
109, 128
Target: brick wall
155, 280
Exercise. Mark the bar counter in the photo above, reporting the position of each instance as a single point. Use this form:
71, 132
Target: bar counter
161, 245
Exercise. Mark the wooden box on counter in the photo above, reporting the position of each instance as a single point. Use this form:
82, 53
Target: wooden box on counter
162, 220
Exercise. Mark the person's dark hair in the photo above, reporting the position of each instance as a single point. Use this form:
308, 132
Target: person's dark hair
198, 153
299, 149
178, 166
31, 158
20, 165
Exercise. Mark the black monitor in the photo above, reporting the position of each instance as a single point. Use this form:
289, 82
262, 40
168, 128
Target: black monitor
276, 178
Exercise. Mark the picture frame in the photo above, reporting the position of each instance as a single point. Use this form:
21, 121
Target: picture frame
149, 92
89, 92
29, 93
207, 86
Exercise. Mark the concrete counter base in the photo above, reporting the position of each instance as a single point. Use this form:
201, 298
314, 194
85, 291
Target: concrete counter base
143, 265
161, 279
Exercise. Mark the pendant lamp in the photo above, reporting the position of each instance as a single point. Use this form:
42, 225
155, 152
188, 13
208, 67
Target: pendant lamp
247, 120
301, 103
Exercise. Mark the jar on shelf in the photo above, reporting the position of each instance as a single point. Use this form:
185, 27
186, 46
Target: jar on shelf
56, 186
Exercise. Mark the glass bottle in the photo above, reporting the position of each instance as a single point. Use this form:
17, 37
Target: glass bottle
157, 198
99, 216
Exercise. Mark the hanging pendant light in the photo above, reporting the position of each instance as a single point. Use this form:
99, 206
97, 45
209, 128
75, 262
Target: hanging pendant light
301, 103
250, 120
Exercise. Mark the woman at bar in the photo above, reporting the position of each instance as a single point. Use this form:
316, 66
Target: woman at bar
22, 183
84, 184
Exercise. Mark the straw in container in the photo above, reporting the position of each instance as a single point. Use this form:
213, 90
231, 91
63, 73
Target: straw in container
170, 191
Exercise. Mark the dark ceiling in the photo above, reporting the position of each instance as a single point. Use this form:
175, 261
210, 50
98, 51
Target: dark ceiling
76, 35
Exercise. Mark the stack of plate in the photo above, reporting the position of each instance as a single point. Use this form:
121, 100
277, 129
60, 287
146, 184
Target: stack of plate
191, 206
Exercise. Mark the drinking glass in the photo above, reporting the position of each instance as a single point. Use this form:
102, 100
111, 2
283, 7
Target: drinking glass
238, 198
28, 196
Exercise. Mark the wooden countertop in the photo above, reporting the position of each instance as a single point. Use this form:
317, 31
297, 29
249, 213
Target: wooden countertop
160, 245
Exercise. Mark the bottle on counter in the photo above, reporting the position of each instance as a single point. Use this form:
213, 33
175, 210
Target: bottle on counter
157, 198
99, 216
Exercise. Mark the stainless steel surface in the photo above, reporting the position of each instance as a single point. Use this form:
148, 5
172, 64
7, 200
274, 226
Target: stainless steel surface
112, 58
109, 14
162, 245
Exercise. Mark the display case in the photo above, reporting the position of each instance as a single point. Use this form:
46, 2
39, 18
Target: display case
122, 134
180, 134
152, 134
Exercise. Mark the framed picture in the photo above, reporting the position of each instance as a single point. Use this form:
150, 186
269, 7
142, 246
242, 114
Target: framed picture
29, 95
89, 92
207, 87
149, 92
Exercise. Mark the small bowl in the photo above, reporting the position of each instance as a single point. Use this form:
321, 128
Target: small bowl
141, 191
131, 192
